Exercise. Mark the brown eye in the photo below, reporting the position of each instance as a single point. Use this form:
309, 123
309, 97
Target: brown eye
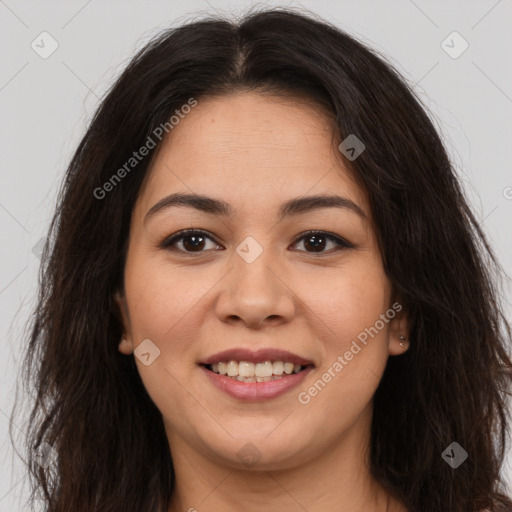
317, 241
196, 241
190, 241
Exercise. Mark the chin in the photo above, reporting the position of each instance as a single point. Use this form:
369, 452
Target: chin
257, 450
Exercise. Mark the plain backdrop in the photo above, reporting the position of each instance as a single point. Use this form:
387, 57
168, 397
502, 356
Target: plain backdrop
46, 103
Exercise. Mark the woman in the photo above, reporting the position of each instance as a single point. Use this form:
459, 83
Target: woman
264, 288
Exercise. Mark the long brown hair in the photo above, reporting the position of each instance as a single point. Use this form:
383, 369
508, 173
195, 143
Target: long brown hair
452, 385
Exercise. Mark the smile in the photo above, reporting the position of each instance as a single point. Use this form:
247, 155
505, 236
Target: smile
254, 388
246, 371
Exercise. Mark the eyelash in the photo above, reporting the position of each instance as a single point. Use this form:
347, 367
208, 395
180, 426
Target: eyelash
169, 242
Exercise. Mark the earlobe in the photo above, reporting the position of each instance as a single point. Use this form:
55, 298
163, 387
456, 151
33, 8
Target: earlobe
399, 341
398, 345
125, 346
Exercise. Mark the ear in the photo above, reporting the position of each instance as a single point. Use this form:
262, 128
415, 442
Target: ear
126, 343
399, 328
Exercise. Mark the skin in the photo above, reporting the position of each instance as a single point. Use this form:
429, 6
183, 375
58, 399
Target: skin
255, 152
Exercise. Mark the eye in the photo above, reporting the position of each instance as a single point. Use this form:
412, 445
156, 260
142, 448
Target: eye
318, 240
193, 240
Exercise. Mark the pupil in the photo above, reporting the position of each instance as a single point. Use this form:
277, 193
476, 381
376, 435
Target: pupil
197, 241
318, 246
316, 242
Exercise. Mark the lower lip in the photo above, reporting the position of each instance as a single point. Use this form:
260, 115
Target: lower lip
256, 391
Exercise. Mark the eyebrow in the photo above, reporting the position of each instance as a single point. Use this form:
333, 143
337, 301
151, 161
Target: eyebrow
297, 206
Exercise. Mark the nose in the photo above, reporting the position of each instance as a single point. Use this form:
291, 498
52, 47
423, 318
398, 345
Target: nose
256, 293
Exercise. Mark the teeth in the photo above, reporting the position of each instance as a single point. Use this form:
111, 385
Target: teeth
232, 368
264, 371
256, 379
278, 367
288, 368
245, 369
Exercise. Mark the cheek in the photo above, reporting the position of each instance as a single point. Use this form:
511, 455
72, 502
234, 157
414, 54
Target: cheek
163, 308
350, 302
341, 390
353, 338
162, 301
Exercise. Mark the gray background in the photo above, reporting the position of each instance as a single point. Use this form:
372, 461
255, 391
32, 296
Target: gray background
46, 103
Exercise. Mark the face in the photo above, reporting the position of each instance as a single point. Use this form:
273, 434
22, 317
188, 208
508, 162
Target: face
255, 279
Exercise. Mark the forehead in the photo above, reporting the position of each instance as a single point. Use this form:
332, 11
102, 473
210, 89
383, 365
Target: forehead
253, 150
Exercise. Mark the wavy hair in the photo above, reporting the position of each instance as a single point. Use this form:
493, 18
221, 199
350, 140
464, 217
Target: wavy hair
453, 384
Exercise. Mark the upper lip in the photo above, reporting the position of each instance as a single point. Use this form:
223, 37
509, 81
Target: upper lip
264, 354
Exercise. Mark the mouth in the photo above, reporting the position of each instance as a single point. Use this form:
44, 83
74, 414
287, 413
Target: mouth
263, 371
256, 376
